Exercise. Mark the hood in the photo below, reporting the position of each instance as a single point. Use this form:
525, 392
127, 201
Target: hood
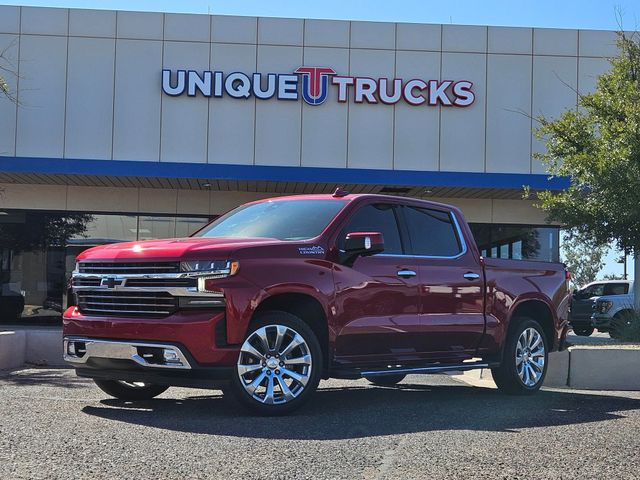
173, 249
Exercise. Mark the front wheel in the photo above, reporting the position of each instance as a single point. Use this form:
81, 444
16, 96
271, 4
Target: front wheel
524, 360
279, 365
130, 391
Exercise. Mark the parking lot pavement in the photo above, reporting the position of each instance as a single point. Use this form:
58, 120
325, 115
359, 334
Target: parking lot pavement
55, 425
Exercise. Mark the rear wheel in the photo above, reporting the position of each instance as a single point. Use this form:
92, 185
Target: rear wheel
583, 331
131, 391
386, 380
279, 365
524, 360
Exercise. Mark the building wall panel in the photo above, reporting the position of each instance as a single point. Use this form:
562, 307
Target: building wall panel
136, 122
43, 81
89, 108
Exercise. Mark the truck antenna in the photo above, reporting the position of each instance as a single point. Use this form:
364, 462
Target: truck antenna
340, 192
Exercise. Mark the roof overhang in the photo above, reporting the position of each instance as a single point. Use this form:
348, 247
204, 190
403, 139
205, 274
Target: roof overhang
275, 179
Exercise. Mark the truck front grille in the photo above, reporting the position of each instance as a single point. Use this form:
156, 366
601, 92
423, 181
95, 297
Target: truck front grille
133, 303
162, 282
122, 268
86, 282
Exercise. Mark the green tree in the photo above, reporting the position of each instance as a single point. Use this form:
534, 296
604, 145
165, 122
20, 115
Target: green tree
583, 256
598, 147
613, 276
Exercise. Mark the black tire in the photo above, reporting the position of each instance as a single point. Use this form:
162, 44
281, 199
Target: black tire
583, 331
386, 380
506, 375
129, 391
312, 372
619, 323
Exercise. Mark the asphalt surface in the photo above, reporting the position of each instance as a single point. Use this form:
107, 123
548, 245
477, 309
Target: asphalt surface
55, 425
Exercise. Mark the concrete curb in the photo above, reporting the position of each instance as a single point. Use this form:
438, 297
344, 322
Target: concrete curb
12, 349
585, 368
605, 368
33, 346
595, 367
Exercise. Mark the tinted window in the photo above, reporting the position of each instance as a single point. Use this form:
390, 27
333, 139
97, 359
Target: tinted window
375, 218
616, 289
431, 232
596, 290
518, 242
281, 219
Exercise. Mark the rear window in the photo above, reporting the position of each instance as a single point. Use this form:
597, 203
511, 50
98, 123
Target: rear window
616, 289
432, 232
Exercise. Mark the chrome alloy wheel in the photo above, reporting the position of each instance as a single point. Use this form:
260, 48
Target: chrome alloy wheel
275, 364
530, 357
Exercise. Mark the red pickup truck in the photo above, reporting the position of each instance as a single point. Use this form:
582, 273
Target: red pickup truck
275, 295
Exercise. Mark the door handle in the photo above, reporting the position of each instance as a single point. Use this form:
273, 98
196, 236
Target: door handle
406, 273
471, 276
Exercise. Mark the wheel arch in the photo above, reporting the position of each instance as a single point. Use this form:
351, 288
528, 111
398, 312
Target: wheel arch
307, 308
623, 311
541, 312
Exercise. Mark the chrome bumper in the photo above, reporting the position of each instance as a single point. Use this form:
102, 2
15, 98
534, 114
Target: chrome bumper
79, 350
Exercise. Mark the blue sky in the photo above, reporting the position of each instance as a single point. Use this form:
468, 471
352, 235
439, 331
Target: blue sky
587, 14
595, 14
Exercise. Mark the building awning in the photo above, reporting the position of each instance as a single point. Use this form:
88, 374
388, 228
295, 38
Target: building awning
272, 179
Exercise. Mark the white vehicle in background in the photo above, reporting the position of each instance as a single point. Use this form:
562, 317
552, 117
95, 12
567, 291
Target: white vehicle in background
611, 313
582, 302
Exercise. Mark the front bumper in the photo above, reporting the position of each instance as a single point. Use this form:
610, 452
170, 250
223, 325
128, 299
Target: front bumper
134, 361
201, 334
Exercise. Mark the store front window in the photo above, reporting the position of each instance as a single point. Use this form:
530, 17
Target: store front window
517, 242
38, 251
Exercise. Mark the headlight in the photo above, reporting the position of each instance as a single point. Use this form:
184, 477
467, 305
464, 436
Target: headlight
604, 306
210, 270
205, 266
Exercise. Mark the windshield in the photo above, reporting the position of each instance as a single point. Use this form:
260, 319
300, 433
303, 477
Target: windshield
281, 219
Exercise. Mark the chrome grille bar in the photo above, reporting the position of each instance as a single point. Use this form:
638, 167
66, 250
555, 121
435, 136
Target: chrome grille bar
136, 267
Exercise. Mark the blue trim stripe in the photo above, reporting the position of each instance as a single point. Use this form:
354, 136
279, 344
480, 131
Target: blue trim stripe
207, 171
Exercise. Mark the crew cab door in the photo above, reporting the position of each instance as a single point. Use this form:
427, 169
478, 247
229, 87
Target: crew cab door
377, 297
451, 283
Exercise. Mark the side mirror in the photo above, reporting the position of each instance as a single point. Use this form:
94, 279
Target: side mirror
361, 244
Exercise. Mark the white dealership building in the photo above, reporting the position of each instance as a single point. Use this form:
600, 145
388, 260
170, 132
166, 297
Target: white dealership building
133, 125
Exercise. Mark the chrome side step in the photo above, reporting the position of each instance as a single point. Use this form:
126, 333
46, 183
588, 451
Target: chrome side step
433, 369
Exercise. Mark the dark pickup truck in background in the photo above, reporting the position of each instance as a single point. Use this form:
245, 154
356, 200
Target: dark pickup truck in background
277, 294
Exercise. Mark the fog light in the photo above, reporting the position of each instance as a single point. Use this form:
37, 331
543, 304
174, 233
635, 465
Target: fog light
170, 356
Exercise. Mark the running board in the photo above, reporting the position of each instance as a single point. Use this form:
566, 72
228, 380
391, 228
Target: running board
434, 369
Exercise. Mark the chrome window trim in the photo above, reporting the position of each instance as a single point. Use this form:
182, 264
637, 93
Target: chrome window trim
458, 230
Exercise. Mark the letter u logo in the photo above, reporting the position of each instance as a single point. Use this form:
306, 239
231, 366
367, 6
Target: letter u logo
315, 83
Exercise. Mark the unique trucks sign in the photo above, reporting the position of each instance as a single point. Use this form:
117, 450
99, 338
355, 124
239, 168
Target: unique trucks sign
313, 83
